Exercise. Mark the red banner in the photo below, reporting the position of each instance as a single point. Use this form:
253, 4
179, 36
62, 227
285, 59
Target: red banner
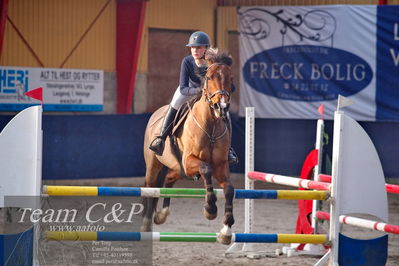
130, 21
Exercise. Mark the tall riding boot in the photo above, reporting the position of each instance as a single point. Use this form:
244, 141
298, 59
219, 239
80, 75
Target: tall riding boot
158, 144
232, 156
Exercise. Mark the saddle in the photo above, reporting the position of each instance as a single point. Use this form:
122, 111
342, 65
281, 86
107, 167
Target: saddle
182, 114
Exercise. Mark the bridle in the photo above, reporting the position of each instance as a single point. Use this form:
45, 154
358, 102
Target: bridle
209, 97
221, 92
212, 137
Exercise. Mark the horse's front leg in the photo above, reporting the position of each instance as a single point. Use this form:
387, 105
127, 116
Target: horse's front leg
225, 234
194, 166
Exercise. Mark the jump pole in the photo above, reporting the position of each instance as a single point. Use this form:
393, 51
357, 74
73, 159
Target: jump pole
289, 181
180, 192
389, 187
183, 237
359, 222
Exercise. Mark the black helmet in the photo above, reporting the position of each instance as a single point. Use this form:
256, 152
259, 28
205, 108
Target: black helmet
198, 38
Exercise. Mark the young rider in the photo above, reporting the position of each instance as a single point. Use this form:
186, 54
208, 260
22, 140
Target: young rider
189, 87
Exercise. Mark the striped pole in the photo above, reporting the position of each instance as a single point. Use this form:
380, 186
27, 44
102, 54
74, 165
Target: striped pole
181, 192
392, 188
289, 181
389, 187
373, 225
183, 237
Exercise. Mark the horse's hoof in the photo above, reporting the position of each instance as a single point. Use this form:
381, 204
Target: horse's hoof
146, 226
160, 217
208, 215
224, 239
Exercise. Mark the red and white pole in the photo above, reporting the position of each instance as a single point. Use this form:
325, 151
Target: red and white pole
289, 181
390, 187
359, 222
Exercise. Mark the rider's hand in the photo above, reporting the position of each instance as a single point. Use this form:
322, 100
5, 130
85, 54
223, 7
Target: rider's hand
194, 91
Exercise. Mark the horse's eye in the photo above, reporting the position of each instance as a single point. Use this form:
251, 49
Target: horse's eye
208, 78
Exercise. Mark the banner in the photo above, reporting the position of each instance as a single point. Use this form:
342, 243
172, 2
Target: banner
294, 58
63, 89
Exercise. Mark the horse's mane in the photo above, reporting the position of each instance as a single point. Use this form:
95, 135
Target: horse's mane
212, 56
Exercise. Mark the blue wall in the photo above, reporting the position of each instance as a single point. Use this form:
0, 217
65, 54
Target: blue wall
97, 146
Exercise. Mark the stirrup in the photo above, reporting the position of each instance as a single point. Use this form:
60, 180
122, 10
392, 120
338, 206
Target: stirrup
157, 146
232, 157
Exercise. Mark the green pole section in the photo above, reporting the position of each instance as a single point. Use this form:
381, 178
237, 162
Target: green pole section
182, 192
188, 237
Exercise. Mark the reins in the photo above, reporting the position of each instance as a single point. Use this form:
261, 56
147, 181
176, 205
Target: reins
211, 137
208, 98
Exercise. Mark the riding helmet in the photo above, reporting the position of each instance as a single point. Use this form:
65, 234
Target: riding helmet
199, 38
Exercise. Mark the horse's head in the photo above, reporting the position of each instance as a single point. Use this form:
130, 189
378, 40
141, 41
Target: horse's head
218, 82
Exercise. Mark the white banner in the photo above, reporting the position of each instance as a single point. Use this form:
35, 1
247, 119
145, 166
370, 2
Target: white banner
294, 58
63, 89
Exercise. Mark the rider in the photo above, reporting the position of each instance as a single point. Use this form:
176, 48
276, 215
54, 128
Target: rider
189, 87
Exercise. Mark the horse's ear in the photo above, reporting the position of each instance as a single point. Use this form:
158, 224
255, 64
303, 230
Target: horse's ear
210, 55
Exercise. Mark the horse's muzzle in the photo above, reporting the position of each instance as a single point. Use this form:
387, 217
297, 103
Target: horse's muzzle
221, 109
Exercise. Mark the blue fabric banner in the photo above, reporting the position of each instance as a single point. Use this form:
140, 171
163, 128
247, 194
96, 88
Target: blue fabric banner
387, 97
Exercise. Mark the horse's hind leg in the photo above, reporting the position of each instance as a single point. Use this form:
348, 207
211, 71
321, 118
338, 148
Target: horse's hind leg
148, 211
155, 177
160, 216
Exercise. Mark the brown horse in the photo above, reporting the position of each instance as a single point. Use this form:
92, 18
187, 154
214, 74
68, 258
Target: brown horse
203, 142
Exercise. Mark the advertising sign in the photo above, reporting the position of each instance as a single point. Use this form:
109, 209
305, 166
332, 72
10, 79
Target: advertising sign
63, 89
294, 58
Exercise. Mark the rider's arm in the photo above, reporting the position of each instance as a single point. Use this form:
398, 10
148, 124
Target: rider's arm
184, 81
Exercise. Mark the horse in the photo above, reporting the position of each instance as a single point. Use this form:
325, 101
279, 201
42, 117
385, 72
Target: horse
202, 141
